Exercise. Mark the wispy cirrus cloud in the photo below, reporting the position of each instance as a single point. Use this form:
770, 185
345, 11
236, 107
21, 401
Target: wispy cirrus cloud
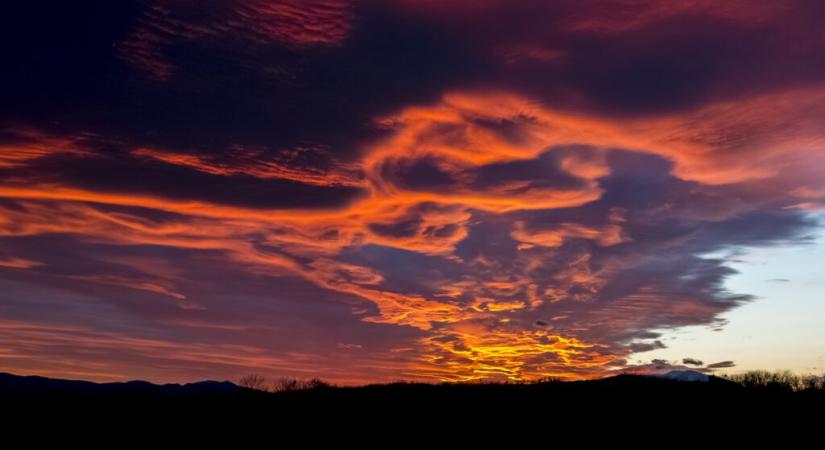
165, 24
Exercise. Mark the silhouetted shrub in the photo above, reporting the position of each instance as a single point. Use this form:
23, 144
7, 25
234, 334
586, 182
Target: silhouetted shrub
253, 381
778, 380
293, 384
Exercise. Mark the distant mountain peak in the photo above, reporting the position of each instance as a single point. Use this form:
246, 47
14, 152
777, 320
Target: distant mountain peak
686, 375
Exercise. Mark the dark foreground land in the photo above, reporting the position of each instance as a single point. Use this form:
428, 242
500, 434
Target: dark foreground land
630, 402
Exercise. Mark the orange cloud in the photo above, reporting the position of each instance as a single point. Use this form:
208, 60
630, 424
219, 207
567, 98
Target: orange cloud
720, 143
445, 189
30, 145
609, 235
18, 263
250, 162
472, 352
475, 322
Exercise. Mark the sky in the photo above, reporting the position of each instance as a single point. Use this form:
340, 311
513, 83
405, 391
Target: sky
426, 190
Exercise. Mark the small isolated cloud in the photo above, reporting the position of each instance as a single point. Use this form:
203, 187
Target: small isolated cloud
692, 362
345, 346
721, 365
657, 366
660, 363
778, 280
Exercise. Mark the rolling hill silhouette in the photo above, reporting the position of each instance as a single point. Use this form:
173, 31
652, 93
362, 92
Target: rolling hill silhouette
15, 385
629, 400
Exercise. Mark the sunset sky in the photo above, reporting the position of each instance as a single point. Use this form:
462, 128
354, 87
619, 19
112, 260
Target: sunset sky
431, 190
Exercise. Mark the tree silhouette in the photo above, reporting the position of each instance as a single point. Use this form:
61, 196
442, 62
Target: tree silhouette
253, 381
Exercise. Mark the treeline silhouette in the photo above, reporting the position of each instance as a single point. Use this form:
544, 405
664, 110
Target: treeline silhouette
778, 380
260, 383
756, 380
627, 399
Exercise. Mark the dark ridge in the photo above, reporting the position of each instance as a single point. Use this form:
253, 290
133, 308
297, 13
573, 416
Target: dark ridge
16, 385
623, 402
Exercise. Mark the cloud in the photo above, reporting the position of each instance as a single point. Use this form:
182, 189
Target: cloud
482, 285
638, 347
456, 190
661, 366
165, 23
252, 163
610, 235
18, 263
505, 245
721, 365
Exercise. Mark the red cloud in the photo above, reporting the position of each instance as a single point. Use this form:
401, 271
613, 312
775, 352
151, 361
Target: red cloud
298, 23
250, 162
